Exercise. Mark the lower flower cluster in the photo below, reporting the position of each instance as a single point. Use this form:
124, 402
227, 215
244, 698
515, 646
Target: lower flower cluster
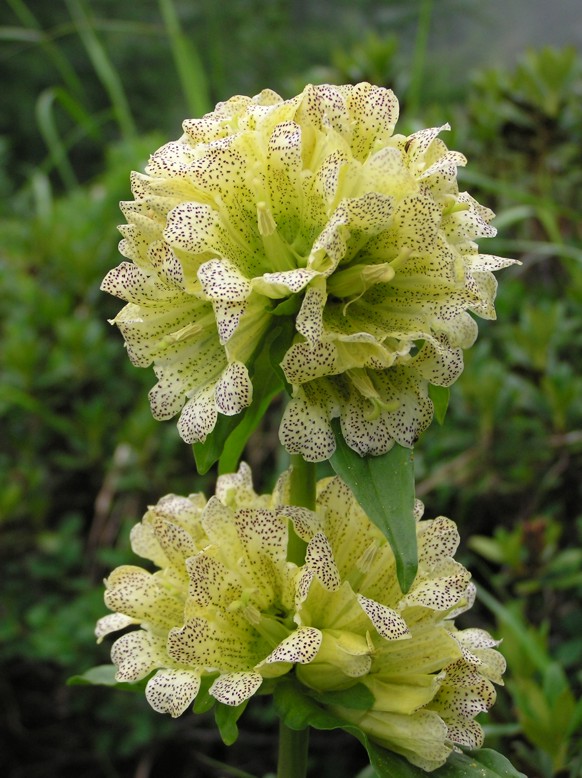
226, 603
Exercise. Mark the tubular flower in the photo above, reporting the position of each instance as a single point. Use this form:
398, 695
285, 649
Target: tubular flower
226, 603
311, 210
428, 679
221, 603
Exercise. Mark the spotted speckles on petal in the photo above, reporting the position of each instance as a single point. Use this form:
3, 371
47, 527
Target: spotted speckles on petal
136, 654
283, 283
437, 539
112, 623
192, 227
198, 416
228, 316
210, 582
465, 732
478, 649
368, 436
305, 429
388, 622
266, 199
172, 691
126, 281
236, 488
235, 688
319, 558
300, 647
439, 593
304, 362
310, 317
234, 391
227, 605
465, 693
221, 280
191, 644
375, 112
306, 523
419, 142
141, 595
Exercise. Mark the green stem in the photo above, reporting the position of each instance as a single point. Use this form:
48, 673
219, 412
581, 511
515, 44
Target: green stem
302, 493
294, 744
302, 482
293, 747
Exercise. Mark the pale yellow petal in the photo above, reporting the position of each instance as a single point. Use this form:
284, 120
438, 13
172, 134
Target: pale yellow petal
235, 688
172, 691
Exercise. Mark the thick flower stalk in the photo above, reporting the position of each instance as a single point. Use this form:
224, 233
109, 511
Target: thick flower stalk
226, 603
310, 210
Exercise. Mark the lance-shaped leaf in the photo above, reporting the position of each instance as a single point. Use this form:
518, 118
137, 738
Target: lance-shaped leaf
298, 710
226, 717
483, 763
384, 487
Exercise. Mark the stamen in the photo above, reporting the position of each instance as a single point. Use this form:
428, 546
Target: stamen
358, 279
194, 328
365, 562
401, 259
267, 225
376, 405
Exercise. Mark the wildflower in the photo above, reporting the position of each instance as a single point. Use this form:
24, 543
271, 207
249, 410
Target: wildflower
311, 209
226, 603
221, 603
428, 679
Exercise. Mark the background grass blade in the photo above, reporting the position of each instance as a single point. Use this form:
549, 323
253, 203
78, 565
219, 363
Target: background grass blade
50, 133
188, 63
103, 67
33, 33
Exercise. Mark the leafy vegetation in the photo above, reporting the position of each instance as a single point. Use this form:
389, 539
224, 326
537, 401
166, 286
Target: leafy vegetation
80, 455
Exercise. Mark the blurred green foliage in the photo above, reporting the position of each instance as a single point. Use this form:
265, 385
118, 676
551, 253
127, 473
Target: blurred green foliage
80, 455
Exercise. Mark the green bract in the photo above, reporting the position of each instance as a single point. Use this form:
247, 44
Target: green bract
225, 603
315, 202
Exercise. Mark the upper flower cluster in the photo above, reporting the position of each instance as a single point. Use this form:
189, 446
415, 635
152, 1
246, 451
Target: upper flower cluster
310, 209
225, 603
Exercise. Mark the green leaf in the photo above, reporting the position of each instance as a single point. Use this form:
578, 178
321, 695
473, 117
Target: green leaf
484, 763
204, 700
226, 717
524, 637
298, 710
279, 343
555, 682
209, 452
357, 697
384, 487
289, 307
102, 675
576, 718
266, 386
440, 396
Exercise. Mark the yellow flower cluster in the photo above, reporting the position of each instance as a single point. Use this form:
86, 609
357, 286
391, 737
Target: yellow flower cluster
312, 210
225, 603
